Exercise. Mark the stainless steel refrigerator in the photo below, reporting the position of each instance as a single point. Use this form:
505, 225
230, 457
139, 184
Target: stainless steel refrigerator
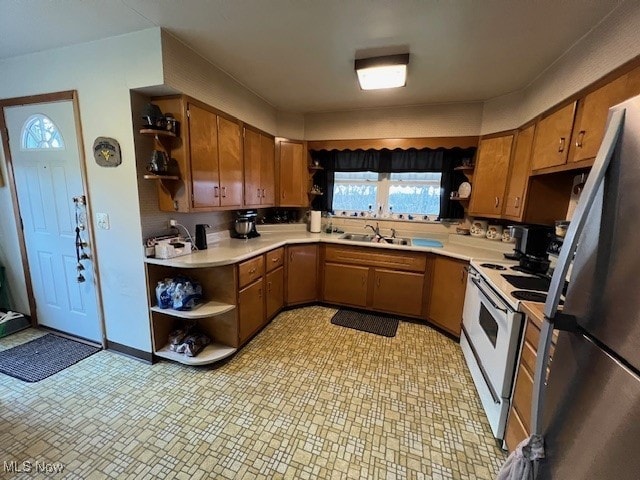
589, 412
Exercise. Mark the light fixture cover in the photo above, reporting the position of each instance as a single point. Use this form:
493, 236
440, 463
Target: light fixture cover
382, 72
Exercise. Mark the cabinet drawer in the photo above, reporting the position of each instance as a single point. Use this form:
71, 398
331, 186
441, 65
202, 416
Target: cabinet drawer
522, 396
250, 270
515, 432
375, 257
275, 258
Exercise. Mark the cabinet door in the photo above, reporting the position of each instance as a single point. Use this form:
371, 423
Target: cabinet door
203, 151
275, 291
230, 160
302, 273
251, 309
519, 175
398, 292
267, 171
252, 167
553, 134
293, 175
345, 284
490, 176
591, 118
448, 285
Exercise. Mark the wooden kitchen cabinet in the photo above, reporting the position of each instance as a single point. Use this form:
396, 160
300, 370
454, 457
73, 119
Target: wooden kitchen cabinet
203, 154
519, 420
490, 176
251, 307
592, 113
519, 175
275, 292
230, 159
375, 279
398, 292
552, 139
346, 284
301, 273
259, 169
446, 298
292, 174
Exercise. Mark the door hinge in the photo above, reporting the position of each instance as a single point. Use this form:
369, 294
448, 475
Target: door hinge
188, 113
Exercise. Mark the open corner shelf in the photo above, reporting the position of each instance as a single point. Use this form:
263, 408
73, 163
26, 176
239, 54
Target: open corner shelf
461, 199
212, 353
313, 168
159, 133
152, 176
315, 194
206, 310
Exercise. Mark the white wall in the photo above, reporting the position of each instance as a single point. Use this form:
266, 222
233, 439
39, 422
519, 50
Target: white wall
102, 72
611, 43
445, 120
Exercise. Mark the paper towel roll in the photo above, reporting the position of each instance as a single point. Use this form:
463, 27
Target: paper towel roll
315, 221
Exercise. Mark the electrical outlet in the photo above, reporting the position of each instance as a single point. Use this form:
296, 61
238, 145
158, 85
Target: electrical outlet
102, 219
172, 223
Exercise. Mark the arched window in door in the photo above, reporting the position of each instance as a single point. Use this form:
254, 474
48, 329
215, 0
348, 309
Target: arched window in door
40, 133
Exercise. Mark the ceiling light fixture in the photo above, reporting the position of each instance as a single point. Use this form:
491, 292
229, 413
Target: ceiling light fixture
376, 73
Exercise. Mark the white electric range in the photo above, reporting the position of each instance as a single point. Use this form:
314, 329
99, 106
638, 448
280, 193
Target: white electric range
491, 331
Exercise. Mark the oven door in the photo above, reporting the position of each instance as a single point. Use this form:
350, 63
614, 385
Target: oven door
492, 329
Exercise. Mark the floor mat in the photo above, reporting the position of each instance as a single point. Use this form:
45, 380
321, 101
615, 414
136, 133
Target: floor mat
40, 358
366, 322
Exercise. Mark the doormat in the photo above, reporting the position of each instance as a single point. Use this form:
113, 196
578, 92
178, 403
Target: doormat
366, 322
45, 356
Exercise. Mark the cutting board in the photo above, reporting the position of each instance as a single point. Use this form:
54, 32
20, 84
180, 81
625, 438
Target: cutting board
426, 242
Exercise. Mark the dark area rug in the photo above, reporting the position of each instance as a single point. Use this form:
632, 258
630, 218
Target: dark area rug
366, 322
45, 356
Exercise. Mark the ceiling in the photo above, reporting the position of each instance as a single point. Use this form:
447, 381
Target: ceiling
298, 54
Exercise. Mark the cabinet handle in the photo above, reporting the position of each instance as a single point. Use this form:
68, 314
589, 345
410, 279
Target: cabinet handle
269, 287
291, 256
216, 192
224, 192
258, 193
275, 259
263, 193
260, 292
284, 194
378, 282
497, 202
561, 145
517, 204
462, 273
580, 138
252, 271
364, 279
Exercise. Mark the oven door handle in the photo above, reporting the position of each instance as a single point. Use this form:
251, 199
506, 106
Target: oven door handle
486, 295
494, 395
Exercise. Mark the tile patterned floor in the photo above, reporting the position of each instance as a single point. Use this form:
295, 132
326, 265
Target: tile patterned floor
305, 399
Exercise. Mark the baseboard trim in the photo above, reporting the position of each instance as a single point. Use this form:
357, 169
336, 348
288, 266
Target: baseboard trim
146, 357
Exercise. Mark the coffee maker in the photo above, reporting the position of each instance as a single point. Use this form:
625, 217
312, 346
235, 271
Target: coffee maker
245, 225
531, 244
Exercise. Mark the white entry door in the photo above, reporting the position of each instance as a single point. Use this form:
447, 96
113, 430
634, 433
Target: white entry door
46, 165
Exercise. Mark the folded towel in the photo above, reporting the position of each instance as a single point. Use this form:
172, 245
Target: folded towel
519, 464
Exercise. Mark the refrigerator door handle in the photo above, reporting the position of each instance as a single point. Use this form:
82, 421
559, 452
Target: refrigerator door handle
591, 187
593, 184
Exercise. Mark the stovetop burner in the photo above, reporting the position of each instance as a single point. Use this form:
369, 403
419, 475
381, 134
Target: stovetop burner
529, 296
493, 266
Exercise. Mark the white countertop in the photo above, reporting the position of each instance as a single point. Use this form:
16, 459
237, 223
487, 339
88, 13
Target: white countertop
231, 250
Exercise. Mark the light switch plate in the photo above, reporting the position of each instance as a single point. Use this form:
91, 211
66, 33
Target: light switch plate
102, 219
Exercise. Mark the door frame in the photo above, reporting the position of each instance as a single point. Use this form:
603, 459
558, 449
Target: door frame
72, 96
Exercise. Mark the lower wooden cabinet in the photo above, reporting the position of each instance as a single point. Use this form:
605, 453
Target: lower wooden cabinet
346, 284
275, 292
251, 307
398, 292
446, 299
302, 274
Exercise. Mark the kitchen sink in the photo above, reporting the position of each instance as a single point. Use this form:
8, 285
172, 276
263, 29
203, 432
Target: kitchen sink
360, 237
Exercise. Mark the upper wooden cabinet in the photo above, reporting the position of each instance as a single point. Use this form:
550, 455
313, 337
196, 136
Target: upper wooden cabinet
259, 169
490, 176
207, 158
518, 175
552, 139
292, 174
592, 113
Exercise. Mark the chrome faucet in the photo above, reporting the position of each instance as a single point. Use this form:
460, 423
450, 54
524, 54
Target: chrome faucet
375, 230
